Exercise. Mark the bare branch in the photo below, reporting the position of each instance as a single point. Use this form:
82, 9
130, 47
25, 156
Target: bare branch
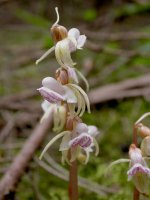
14, 173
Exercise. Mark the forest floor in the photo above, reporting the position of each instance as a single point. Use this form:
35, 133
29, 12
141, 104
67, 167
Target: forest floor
118, 49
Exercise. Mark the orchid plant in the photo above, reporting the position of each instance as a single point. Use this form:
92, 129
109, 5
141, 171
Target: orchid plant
139, 171
68, 101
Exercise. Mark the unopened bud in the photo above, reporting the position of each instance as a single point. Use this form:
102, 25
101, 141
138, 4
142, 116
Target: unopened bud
145, 146
62, 76
58, 33
142, 130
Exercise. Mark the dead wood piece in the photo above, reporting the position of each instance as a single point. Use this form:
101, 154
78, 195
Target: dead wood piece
117, 52
124, 89
130, 35
6, 130
10, 180
17, 97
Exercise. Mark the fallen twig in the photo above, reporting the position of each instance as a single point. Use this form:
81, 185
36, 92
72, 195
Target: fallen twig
130, 35
17, 97
124, 89
117, 52
11, 178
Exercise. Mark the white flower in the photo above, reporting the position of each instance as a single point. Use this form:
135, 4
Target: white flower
64, 48
80, 40
54, 92
81, 138
138, 169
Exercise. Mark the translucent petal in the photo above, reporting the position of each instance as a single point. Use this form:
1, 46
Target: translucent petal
84, 95
45, 105
46, 114
62, 53
141, 182
65, 53
81, 41
45, 55
65, 142
74, 32
96, 146
93, 131
69, 95
72, 75
52, 141
84, 79
65, 157
87, 156
53, 84
122, 160
79, 101
74, 153
56, 119
81, 127
62, 116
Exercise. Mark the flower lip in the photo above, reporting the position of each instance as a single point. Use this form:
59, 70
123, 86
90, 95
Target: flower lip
83, 140
50, 95
138, 168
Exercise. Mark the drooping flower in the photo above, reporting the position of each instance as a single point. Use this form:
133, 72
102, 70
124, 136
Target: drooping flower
138, 169
81, 138
54, 92
65, 44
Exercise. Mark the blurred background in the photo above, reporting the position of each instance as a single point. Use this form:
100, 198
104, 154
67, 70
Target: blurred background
116, 62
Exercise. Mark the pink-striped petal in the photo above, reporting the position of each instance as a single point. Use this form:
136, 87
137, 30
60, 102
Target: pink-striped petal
50, 95
138, 168
84, 140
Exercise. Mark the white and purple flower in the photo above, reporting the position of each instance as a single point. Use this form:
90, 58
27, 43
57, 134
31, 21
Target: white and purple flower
138, 169
82, 138
54, 92
63, 48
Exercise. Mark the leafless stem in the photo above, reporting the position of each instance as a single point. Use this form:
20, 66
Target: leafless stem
73, 181
136, 194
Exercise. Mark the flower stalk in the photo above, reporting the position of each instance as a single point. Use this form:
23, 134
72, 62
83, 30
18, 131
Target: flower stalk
68, 101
